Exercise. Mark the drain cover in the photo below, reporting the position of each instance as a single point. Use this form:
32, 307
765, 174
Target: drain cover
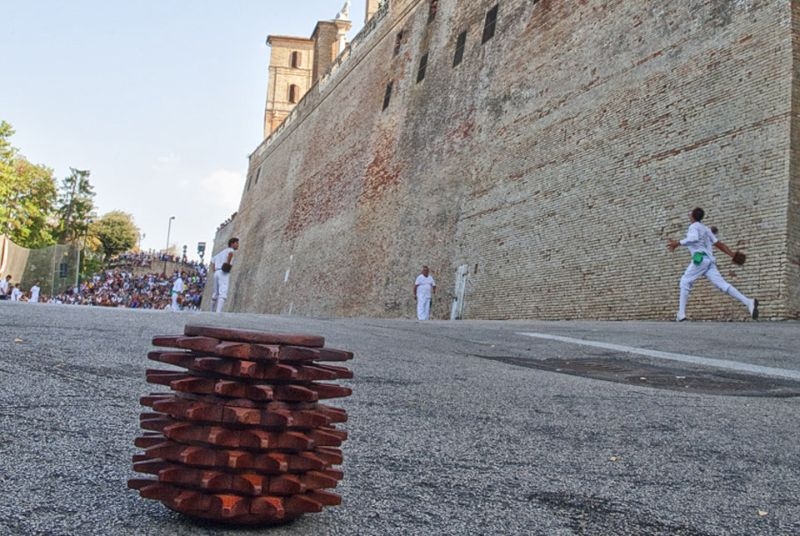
712, 382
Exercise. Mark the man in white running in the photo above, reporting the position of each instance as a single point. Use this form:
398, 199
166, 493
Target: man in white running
424, 288
699, 241
221, 265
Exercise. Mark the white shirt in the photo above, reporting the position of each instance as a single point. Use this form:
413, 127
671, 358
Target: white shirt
35, 293
177, 286
699, 238
3, 286
424, 285
16, 294
221, 258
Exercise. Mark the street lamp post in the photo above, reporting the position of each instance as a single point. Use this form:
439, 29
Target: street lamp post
169, 227
80, 247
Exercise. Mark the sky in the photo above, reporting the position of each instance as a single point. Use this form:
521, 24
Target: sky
161, 100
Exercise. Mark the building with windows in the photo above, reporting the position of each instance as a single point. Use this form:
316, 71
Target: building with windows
537, 155
296, 64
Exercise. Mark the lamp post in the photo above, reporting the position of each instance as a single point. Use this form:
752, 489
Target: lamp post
169, 227
80, 247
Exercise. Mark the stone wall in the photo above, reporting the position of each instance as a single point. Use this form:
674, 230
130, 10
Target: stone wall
553, 162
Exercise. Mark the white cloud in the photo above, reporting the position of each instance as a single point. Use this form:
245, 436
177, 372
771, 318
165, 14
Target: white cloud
223, 188
170, 158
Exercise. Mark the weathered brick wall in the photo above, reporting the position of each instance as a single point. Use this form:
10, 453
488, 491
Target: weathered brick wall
791, 290
555, 160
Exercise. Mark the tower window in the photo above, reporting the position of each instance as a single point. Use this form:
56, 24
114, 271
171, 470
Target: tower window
490, 24
460, 44
296, 59
398, 41
387, 96
294, 93
423, 64
432, 7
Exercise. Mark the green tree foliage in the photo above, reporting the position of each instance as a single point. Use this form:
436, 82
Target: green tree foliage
27, 196
75, 206
116, 232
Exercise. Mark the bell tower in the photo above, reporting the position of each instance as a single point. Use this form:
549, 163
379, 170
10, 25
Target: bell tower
291, 61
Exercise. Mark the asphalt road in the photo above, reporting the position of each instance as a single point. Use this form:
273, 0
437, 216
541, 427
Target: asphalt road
470, 427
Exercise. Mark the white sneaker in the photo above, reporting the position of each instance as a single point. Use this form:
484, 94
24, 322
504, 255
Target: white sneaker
680, 318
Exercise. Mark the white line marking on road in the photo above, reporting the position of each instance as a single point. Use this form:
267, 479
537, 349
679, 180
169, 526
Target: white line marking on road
697, 360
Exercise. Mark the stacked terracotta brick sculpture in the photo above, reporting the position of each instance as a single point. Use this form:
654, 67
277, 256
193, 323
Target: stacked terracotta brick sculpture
242, 438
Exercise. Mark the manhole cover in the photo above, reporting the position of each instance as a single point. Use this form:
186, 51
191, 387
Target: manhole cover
632, 372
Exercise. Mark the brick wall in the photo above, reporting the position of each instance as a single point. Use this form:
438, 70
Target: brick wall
790, 291
554, 161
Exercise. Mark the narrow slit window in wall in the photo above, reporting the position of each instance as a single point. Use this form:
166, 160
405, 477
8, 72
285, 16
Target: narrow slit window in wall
432, 7
258, 174
460, 44
296, 60
398, 42
387, 96
423, 65
294, 93
490, 24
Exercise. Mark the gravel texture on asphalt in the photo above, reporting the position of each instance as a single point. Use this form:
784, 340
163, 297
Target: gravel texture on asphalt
445, 437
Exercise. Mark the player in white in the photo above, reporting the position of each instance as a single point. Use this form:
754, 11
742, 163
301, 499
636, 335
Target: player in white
699, 241
221, 264
424, 289
16, 293
177, 290
35, 290
5, 288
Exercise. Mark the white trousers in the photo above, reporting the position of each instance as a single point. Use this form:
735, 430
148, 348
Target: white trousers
175, 306
707, 268
423, 307
221, 280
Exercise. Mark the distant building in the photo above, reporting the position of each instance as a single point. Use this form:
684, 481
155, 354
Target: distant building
296, 64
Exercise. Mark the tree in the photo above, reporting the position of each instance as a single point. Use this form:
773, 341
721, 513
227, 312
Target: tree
27, 196
116, 233
75, 206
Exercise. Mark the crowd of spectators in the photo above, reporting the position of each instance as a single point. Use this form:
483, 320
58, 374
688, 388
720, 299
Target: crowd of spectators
146, 259
120, 288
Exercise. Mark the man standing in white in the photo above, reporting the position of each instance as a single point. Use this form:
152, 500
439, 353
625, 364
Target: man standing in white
16, 293
699, 240
424, 289
221, 265
35, 290
177, 290
5, 288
